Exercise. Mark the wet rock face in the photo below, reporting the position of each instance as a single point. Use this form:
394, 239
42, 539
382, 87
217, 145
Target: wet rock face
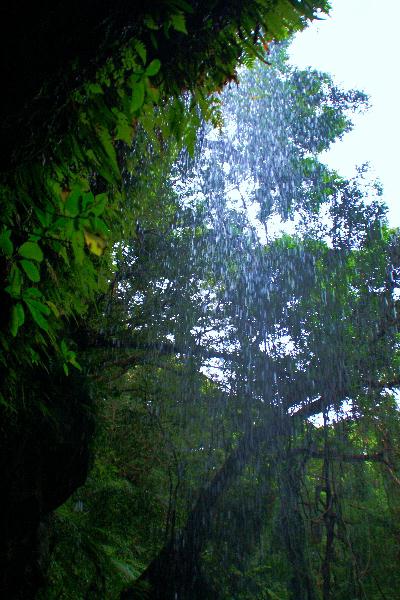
44, 458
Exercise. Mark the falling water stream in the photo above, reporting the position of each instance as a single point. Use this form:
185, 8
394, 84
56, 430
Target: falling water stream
248, 291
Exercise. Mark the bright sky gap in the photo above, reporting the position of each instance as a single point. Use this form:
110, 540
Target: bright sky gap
358, 45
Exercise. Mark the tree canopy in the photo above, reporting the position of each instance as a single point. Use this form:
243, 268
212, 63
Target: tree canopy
257, 364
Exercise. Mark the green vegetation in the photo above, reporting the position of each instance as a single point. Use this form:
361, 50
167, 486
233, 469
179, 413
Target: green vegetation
64, 199
199, 332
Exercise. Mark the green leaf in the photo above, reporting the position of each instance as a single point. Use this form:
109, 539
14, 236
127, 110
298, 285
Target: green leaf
37, 314
78, 244
153, 92
61, 224
31, 270
154, 40
137, 96
17, 318
94, 88
141, 50
32, 292
87, 200
183, 5
44, 216
100, 202
14, 289
64, 348
54, 308
106, 140
95, 243
178, 22
14, 323
74, 362
69, 356
6, 245
99, 226
150, 22
38, 306
21, 313
62, 251
153, 68
31, 250
72, 203
124, 131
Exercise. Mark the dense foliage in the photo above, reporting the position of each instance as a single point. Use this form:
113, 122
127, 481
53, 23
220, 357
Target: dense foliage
93, 95
63, 196
183, 273
248, 436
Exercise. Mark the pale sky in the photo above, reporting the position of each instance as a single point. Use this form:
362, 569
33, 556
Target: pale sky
359, 45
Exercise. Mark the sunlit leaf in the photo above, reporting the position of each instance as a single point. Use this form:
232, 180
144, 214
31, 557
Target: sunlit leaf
95, 243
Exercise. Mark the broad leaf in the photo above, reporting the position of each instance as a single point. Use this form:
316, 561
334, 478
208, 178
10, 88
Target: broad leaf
31, 270
31, 250
17, 318
37, 314
6, 245
95, 243
72, 203
137, 96
179, 23
153, 68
